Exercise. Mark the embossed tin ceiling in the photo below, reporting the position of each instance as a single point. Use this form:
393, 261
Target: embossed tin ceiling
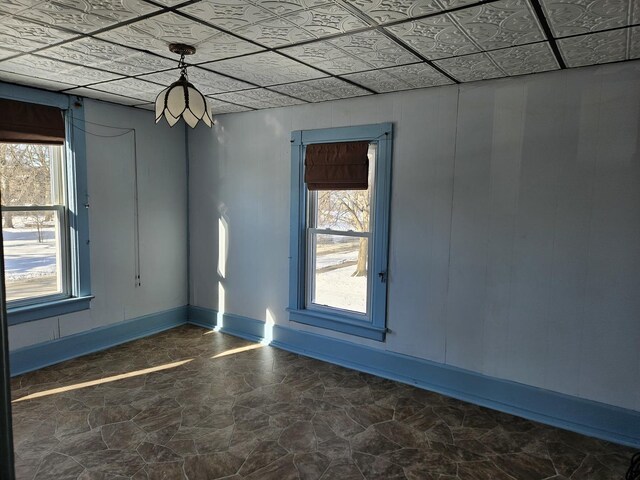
262, 54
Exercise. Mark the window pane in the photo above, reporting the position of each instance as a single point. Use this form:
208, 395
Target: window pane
32, 254
347, 209
28, 174
340, 272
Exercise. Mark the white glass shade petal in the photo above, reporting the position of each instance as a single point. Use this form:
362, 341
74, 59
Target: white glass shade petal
190, 118
197, 104
176, 100
171, 120
183, 100
160, 104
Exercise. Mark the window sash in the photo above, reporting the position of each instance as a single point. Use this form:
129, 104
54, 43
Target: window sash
63, 250
310, 270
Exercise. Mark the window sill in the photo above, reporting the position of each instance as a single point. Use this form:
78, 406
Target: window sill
38, 311
338, 324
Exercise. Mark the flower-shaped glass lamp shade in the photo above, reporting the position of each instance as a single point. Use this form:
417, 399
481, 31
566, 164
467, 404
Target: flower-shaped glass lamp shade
182, 99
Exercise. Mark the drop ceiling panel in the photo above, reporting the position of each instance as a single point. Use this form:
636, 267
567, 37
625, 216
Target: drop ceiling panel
584, 16
25, 36
435, 37
469, 68
353, 53
156, 33
108, 56
85, 15
284, 7
50, 69
268, 68
385, 11
505, 23
32, 81
321, 90
108, 97
525, 59
301, 50
258, 98
230, 15
131, 87
400, 78
220, 107
601, 47
206, 81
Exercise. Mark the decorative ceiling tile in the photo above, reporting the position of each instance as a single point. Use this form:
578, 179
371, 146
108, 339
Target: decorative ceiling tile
385, 11
469, 68
264, 69
47, 68
326, 20
400, 78
258, 98
219, 107
204, 80
31, 81
500, 24
524, 59
156, 33
7, 53
108, 56
107, 97
435, 37
14, 7
274, 33
85, 15
328, 57
228, 14
602, 47
379, 81
283, 7
131, 87
584, 16
321, 90
23, 36
170, 3
375, 49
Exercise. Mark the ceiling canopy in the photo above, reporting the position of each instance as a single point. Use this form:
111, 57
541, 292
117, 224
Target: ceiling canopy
255, 54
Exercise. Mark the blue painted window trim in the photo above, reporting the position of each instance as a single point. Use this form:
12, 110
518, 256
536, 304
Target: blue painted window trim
77, 204
343, 322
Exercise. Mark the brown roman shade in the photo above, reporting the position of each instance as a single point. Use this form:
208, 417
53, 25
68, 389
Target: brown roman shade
337, 166
30, 123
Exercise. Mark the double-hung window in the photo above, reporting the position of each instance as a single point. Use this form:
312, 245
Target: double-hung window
44, 204
339, 232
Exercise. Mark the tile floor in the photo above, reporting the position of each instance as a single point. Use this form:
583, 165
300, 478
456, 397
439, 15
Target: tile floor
190, 403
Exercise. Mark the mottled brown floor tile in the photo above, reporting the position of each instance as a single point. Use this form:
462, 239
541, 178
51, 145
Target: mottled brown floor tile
211, 466
348, 471
230, 409
264, 454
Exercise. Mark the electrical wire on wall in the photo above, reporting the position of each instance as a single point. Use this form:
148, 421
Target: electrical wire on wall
126, 131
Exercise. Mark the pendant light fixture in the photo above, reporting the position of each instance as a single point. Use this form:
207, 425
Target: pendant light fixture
181, 98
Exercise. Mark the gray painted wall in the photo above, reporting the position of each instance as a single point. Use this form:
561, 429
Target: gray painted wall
163, 224
515, 224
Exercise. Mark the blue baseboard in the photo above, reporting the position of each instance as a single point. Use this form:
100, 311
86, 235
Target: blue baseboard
587, 417
232, 324
44, 354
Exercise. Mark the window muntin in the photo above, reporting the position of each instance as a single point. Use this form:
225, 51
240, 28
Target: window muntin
340, 247
34, 223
